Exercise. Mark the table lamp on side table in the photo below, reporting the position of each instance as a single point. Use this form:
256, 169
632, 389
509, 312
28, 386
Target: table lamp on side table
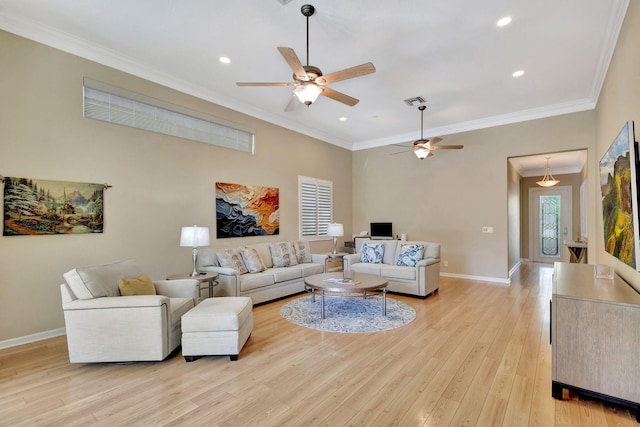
193, 237
335, 231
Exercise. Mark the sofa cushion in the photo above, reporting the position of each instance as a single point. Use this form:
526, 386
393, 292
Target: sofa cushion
230, 258
252, 260
141, 285
364, 267
409, 255
283, 254
256, 280
302, 250
282, 274
101, 280
372, 253
398, 272
311, 268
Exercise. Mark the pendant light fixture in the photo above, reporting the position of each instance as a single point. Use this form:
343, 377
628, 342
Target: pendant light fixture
548, 180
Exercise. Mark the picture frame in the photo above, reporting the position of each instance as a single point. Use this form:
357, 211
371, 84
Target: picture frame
246, 210
619, 197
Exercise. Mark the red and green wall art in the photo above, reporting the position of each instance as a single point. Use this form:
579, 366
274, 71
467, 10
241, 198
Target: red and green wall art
246, 210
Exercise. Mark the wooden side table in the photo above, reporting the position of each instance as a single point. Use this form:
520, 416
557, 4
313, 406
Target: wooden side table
207, 277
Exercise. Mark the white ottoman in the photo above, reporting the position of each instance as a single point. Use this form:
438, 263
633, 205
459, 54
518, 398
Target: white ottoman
217, 327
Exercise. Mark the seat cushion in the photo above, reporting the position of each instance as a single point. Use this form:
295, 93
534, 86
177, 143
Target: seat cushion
218, 314
364, 267
309, 269
282, 274
256, 280
398, 272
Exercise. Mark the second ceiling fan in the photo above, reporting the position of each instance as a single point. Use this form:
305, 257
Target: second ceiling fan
309, 81
423, 148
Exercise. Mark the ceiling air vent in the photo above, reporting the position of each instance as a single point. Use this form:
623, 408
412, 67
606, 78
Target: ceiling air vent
415, 100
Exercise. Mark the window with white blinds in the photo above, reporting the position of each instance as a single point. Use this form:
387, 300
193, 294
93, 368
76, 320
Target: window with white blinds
316, 207
119, 106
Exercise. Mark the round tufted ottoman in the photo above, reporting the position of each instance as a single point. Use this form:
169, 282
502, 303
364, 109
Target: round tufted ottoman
217, 327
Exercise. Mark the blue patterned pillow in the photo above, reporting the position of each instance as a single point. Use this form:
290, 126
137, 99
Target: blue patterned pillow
372, 253
410, 255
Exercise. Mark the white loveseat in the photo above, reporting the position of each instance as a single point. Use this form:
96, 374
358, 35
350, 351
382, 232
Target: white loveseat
262, 286
421, 280
103, 326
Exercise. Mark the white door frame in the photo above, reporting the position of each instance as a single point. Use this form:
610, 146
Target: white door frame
566, 213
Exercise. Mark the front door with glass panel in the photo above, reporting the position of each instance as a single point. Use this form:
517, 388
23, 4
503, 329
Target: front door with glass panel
550, 223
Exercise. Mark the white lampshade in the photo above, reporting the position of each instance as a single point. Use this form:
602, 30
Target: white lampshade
194, 237
307, 93
335, 230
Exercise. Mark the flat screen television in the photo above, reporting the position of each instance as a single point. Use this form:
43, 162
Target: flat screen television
381, 230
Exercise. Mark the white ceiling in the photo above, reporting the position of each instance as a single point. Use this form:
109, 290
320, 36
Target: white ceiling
448, 51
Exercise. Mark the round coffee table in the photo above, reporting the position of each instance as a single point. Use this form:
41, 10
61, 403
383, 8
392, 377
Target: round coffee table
346, 283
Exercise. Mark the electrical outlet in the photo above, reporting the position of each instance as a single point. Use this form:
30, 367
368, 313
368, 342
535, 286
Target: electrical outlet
446, 263
487, 229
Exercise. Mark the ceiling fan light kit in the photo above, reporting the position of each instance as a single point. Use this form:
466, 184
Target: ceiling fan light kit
422, 148
309, 80
548, 180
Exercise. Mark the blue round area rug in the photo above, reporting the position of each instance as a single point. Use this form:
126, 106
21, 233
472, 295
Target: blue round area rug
348, 314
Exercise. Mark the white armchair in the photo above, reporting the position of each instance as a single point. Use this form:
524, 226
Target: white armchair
103, 326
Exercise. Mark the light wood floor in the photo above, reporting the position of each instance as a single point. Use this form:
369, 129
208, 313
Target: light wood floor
476, 354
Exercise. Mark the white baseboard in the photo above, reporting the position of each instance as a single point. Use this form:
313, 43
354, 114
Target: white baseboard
32, 338
515, 267
492, 280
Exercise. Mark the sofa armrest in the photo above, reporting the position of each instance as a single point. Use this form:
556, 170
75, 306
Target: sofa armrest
136, 301
349, 260
427, 261
225, 271
319, 258
228, 280
181, 288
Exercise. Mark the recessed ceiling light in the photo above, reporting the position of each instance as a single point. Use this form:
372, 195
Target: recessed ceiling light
518, 73
504, 21
343, 119
224, 60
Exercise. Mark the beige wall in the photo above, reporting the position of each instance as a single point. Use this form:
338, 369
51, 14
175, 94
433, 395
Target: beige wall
514, 209
160, 183
448, 198
619, 101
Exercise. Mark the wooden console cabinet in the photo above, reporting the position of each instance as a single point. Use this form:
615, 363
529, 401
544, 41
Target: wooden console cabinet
595, 335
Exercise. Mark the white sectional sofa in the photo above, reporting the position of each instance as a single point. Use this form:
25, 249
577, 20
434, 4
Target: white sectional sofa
420, 280
274, 282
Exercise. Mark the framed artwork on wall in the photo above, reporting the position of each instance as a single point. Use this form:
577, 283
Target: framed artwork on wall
246, 210
619, 190
36, 206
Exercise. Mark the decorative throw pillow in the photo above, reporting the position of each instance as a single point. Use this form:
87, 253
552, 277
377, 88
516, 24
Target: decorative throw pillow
372, 253
303, 251
283, 254
141, 285
410, 255
252, 260
231, 258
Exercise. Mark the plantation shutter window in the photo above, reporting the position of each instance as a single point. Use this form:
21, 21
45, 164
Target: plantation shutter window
316, 207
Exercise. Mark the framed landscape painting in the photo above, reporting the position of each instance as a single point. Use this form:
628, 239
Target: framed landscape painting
246, 210
619, 189
36, 206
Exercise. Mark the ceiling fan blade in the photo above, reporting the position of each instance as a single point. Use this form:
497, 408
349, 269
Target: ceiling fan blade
349, 73
290, 56
447, 147
435, 140
291, 106
339, 96
265, 83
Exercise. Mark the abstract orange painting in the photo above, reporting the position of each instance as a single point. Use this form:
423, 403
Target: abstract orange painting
246, 210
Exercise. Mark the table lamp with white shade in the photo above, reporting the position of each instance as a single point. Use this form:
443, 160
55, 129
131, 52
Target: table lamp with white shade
193, 237
335, 231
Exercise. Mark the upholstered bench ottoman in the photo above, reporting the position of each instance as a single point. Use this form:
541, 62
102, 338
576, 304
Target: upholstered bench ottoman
217, 327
